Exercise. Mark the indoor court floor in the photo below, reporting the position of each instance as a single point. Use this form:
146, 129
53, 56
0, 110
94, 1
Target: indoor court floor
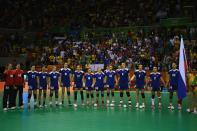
86, 118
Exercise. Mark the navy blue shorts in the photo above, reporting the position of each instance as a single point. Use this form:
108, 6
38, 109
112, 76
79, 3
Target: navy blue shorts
66, 84
139, 87
110, 87
32, 87
43, 87
124, 86
155, 88
100, 88
173, 88
54, 87
89, 88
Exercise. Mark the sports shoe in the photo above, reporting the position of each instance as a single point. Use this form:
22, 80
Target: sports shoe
5, 109
129, 103
60, 104
142, 106
83, 104
40, 106
75, 105
172, 107
95, 104
179, 107
125, 105
159, 105
188, 110
137, 105
112, 104
13, 108
121, 102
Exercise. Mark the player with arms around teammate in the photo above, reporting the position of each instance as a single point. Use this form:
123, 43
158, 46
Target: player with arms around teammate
42, 85
110, 82
32, 79
19, 84
66, 76
8, 88
123, 81
173, 85
78, 85
140, 77
155, 78
54, 82
88, 80
99, 85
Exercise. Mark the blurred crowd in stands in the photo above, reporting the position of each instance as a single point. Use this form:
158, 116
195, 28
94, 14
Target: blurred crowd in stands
43, 14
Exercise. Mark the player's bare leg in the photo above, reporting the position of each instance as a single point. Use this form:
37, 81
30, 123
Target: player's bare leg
68, 95
75, 97
153, 100
129, 97
62, 96
159, 99
170, 100
50, 97
143, 99
44, 98
97, 98
35, 98
121, 98
82, 97
39, 98
113, 101
29, 97
137, 98
102, 97
108, 97
92, 96
87, 97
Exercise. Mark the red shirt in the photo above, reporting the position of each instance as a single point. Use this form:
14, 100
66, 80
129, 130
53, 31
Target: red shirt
19, 80
9, 77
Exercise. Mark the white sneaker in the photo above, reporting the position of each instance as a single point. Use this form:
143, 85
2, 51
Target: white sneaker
159, 105
60, 104
13, 108
125, 105
179, 107
172, 107
40, 106
188, 110
137, 105
142, 106
5, 109
75, 105
95, 104
83, 104
50, 103
112, 104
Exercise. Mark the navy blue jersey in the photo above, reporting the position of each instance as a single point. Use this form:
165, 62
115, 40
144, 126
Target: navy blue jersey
155, 79
65, 75
54, 79
32, 79
78, 78
110, 75
174, 76
124, 75
42, 79
99, 77
140, 78
89, 79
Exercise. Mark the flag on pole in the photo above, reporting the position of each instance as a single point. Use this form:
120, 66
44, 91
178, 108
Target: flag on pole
182, 69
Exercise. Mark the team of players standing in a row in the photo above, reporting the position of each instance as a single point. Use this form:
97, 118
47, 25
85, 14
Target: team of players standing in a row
14, 82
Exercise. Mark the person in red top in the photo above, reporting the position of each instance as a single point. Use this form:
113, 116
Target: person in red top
19, 84
8, 88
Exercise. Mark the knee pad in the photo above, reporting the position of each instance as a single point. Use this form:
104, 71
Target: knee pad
102, 94
92, 96
112, 93
51, 94
97, 94
75, 95
153, 96
108, 94
35, 96
68, 93
128, 94
45, 95
56, 94
29, 96
143, 95
87, 95
121, 94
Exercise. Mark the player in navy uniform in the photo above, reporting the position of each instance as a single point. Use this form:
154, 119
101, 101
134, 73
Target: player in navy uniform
88, 80
32, 77
42, 85
155, 78
110, 82
54, 82
123, 80
78, 84
66, 76
99, 85
140, 77
173, 84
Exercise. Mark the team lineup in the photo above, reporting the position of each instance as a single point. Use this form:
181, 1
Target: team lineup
94, 83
